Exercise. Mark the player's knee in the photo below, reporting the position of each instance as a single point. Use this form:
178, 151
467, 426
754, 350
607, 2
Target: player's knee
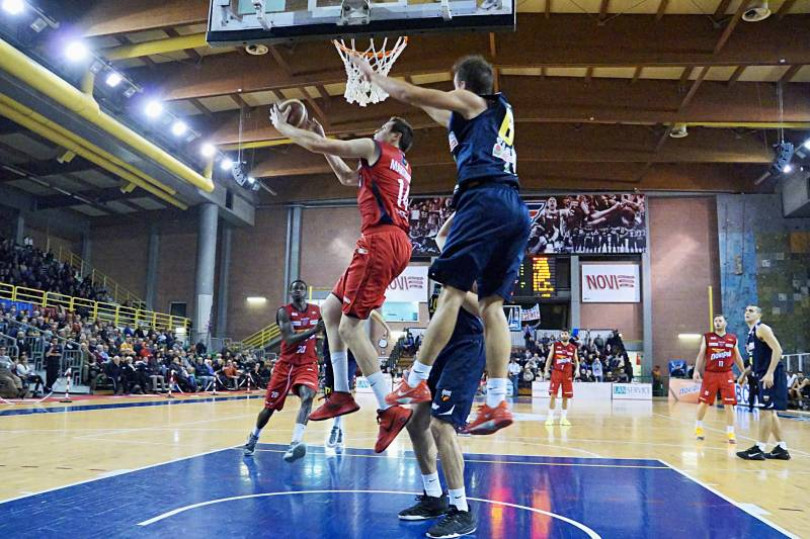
347, 329
440, 428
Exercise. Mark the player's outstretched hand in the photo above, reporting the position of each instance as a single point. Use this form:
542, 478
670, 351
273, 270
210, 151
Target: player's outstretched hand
361, 63
316, 127
696, 376
279, 117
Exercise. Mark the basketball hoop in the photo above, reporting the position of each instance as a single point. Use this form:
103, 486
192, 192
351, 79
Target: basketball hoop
359, 90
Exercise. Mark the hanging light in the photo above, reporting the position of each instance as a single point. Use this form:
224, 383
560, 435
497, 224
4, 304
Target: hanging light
179, 128
208, 150
114, 79
226, 165
13, 7
76, 51
153, 109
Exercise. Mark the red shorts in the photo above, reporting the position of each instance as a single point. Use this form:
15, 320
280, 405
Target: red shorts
559, 378
286, 377
380, 256
714, 381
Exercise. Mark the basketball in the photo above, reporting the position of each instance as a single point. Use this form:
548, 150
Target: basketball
298, 113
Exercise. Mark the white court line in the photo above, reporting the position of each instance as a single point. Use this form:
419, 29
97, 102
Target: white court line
166, 427
739, 506
687, 422
100, 478
592, 534
490, 461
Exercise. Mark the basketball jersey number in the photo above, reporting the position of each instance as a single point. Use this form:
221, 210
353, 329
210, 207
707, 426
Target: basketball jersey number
402, 196
302, 349
719, 363
506, 139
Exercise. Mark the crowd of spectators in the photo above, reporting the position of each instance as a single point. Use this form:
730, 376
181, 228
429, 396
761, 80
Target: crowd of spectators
127, 360
30, 267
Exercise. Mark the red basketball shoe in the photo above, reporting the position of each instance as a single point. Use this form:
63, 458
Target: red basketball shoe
490, 420
405, 394
391, 422
337, 403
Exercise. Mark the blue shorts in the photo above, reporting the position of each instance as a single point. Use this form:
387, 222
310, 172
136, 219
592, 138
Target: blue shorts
455, 377
775, 398
486, 243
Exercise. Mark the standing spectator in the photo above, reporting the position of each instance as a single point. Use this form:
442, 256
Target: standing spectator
53, 364
658, 381
628, 369
596, 368
514, 375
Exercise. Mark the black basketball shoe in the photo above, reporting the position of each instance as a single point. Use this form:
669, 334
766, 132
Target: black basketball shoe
455, 524
752, 453
778, 453
426, 508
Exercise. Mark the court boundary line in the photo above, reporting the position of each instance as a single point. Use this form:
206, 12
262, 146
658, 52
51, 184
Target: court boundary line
113, 405
586, 529
729, 500
108, 475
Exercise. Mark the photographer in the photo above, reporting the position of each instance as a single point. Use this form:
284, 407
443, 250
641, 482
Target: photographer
53, 364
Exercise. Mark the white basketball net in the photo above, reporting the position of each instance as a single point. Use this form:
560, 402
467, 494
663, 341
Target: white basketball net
359, 90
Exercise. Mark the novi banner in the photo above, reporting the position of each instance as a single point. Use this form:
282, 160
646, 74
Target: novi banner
610, 283
410, 287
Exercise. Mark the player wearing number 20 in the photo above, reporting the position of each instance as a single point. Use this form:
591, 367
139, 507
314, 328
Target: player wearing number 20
383, 251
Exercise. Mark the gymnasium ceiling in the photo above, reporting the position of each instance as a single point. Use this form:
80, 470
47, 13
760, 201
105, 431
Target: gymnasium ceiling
597, 87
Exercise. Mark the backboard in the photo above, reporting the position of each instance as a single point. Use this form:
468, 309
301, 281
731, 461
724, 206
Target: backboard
242, 22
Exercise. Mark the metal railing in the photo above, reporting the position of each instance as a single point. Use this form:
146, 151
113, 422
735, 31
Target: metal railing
262, 338
119, 293
96, 310
797, 362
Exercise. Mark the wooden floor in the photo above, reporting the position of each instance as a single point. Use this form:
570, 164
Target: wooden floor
45, 451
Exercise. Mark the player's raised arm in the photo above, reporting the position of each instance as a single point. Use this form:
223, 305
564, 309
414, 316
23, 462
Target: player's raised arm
345, 174
460, 100
699, 360
363, 148
288, 333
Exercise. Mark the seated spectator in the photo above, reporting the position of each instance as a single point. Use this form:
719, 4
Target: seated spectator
11, 387
114, 373
204, 373
157, 380
596, 369
232, 375
26, 373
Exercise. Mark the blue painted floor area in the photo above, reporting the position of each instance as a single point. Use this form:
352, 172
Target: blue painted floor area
357, 493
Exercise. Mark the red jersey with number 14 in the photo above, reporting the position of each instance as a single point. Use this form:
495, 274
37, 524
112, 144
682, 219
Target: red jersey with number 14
563, 358
384, 190
302, 352
720, 351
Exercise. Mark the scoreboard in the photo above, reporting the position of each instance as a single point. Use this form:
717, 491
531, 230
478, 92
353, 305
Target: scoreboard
537, 277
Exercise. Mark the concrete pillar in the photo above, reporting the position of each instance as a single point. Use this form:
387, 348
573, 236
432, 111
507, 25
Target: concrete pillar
19, 228
87, 248
206, 263
152, 261
576, 294
224, 277
292, 258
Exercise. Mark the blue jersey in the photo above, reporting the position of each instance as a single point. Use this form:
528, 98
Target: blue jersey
483, 147
759, 352
467, 325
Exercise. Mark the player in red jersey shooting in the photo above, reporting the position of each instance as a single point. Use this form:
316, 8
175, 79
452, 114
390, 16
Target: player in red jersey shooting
720, 352
383, 179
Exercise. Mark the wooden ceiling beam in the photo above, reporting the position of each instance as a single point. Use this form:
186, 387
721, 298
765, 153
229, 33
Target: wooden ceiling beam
790, 73
732, 25
126, 16
662, 9
603, 11
736, 75
624, 42
785, 8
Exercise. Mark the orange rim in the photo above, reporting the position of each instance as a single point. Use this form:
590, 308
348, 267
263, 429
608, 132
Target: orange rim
348, 50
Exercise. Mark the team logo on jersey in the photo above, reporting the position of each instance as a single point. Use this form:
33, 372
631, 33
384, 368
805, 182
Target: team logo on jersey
274, 395
446, 395
453, 141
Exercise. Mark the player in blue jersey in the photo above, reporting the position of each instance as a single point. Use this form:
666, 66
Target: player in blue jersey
453, 382
489, 231
766, 363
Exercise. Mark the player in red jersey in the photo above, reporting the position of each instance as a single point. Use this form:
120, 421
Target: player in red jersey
296, 369
562, 363
383, 251
720, 352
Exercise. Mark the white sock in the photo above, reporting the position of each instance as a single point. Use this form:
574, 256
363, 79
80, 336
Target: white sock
338, 423
563, 413
699, 424
551, 413
496, 391
419, 372
458, 498
783, 445
729, 429
340, 369
298, 433
762, 446
380, 389
257, 432
432, 486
